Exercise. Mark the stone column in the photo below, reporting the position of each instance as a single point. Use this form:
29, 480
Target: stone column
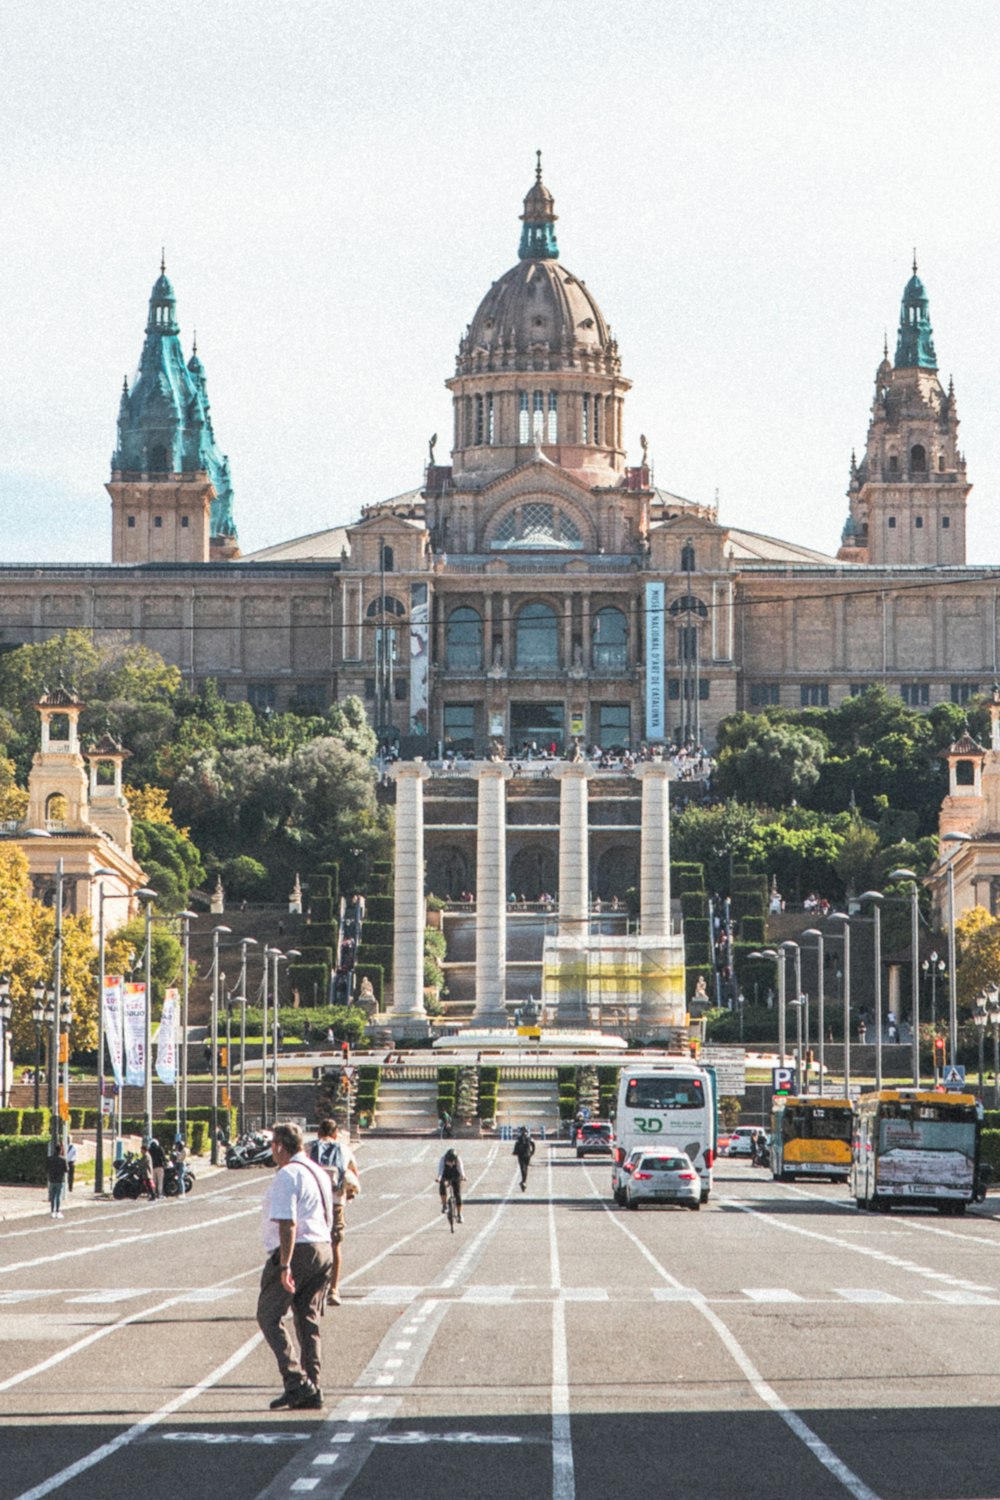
410, 910
654, 862
491, 894
574, 894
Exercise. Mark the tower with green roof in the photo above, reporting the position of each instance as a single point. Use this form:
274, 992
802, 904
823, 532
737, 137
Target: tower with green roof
908, 494
171, 492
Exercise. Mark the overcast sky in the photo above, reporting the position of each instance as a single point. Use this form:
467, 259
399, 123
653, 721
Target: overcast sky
741, 185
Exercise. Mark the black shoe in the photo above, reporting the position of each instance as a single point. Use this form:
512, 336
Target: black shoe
294, 1396
306, 1398
285, 1399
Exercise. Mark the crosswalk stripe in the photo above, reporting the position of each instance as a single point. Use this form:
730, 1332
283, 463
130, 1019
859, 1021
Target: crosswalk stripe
864, 1294
965, 1299
770, 1294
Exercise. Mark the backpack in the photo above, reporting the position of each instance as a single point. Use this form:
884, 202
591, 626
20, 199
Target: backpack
329, 1155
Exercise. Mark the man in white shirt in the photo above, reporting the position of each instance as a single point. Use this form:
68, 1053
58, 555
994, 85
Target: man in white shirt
297, 1220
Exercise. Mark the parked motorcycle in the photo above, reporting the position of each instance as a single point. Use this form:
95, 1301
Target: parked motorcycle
171, 1183
130, 1177
252, 1149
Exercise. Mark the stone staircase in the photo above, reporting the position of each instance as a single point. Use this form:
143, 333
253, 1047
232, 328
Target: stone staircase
407, 1106
529, 1101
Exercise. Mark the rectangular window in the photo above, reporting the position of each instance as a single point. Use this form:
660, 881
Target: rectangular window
262, 696
915, 694
613, 725
764, 694
945, 522
597, 419
538, 417
402, 689
857, 688
540, 724
310, 696
553, 432
523, 418
369, 687
480, 419
460, 727
157, 522
892, 523
918, 522
814, 695
131, 523
674, 687
962, 692
687, 642
585, 420
185, 521
491, 434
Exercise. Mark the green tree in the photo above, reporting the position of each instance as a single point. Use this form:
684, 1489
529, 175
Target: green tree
778, 765
857, 863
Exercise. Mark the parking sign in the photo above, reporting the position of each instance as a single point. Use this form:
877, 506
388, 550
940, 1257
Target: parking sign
783, 1080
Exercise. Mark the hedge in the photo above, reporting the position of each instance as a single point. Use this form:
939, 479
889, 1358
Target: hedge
379, 956
321, 914
379, 909
321, 935
312, 981
753, 930
692, 905
23, 1158
747, 905
686, 883
320, 887
31, 1122
989, 1148
377, 934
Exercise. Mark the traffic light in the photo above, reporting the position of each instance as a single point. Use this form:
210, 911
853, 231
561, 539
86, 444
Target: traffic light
939, 1049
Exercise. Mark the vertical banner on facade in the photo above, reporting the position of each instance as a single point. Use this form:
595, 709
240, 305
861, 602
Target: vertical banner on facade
134, 1011
113, 1023
656, 727
419, 657
166, 1040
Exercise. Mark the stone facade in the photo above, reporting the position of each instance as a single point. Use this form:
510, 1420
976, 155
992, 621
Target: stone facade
539, 587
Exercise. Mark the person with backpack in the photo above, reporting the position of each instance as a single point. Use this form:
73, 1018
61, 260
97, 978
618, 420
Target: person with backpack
524, 1150
333, 1154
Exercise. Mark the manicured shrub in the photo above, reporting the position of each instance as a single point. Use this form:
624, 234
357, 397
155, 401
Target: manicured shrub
10, 1122
23, 1158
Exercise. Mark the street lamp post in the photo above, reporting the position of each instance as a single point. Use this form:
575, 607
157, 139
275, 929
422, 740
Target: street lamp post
814, 932
875, 897
241, 1000
933, 967
265, 954
5, 1009
785, 947
993, 1016
954, 838
914, 967
779, 960
216, 934
980, 1018
55, 1122
277, 957
147, 1034
186, 919
38, 1017
842, 916
103, 896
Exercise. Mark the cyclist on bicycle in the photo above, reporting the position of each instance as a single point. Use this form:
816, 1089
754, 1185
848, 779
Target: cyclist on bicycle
524, 1150
451, 1173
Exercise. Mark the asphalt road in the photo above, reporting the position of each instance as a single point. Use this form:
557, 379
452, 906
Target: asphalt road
778, 1345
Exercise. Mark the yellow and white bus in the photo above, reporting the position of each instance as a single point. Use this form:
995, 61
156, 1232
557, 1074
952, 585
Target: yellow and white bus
811, 1137
916, 1148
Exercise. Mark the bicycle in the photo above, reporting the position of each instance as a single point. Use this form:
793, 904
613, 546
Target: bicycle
451, 1206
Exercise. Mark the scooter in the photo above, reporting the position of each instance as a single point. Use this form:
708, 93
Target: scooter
251, 1150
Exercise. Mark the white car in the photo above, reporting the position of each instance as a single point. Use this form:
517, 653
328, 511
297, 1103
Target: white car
741, 1140
663, 1177
622, 1170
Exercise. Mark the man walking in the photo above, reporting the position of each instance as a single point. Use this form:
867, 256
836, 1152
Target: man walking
524, 1150
297, 1226
336, 1156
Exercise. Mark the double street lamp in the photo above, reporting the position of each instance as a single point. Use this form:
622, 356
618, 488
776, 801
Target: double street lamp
956, 839
814, 932
5, 1009
876, 898
987, 1013
41, 1016
217, 932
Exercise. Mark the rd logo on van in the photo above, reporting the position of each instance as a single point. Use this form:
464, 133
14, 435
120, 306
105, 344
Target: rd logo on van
648, 1124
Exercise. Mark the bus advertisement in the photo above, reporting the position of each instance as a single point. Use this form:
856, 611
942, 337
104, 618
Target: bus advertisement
811, 1137
670, 1104
916, 1148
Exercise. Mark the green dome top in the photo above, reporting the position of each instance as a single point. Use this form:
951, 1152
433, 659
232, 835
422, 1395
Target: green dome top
915, 343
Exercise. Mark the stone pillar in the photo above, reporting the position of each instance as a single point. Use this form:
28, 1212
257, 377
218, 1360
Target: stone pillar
409, 914
654, 862
574, 894
491, 894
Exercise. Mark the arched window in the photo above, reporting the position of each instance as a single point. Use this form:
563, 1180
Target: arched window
523, 418
538, 417
552, 435
537, 638
893, 463
965, 773
158, 459
387, 559
918, 459
55, 808
687, 558
940, 463
609, 647
689, 604
392, 605
464, 640
537, 524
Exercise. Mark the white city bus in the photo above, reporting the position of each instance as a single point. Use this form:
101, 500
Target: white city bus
670, 1104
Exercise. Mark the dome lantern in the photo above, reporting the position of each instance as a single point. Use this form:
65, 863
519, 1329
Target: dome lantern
538, 237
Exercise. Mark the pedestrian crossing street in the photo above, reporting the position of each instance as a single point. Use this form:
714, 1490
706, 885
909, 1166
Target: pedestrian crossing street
502, 1296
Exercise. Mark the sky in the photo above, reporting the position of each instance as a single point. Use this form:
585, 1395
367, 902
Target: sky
741, 185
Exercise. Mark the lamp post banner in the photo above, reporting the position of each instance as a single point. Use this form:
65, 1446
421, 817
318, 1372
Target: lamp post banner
166, 1040
655, 716
113, 1023
134, 1010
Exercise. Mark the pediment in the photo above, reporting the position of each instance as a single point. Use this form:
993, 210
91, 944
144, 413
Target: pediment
536, 477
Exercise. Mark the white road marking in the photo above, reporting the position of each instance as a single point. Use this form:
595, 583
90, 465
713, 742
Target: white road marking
864, 1294
852, 1482
388, 1295
110, 1296
72, 1471
965, 1299
563, 1474
132, 1239
770, 1294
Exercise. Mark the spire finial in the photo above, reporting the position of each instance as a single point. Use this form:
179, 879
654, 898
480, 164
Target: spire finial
885, 343
914, 260
163, 260
538, 168
194, 344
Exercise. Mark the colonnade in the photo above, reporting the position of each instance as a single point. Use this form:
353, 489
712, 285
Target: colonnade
491, 889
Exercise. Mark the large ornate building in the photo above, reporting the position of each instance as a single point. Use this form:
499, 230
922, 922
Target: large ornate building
538, 587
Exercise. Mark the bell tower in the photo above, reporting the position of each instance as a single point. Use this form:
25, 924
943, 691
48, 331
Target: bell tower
908, 494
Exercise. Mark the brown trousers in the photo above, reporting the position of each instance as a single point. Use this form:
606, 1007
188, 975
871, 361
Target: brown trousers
311, 1271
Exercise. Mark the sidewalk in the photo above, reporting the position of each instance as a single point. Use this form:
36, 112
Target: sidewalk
26, 1200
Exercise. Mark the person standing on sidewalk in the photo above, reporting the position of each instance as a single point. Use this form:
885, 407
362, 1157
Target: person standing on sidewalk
336, 1156
159, 1160
297, 1225
56, 1173
70, 1162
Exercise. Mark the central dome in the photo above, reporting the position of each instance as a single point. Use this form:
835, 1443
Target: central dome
538, 316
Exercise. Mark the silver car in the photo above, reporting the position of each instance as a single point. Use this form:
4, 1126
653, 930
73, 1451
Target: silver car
667, 1177
622, 1170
